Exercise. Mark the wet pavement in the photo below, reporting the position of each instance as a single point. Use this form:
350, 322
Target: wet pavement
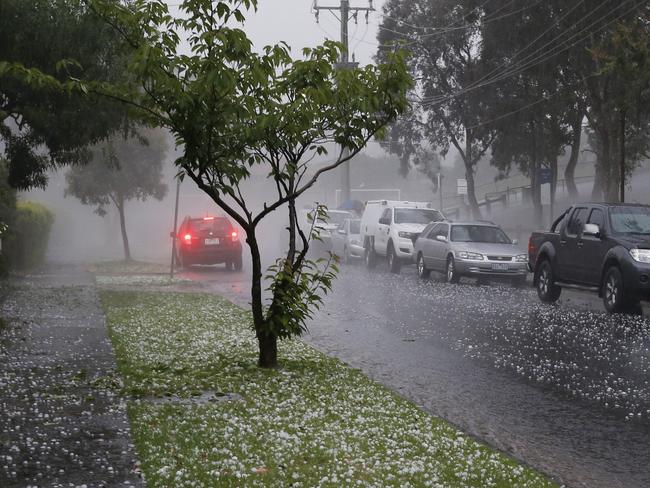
563, 388
60, 423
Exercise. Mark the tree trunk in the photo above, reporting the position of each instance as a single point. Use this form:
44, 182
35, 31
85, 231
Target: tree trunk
622, 155
125, 238
569, 172
597, 189
469, 177
471, 194
268, 344
536, 184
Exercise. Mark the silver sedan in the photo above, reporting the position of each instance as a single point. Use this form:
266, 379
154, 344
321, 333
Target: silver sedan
346, 241
479, 249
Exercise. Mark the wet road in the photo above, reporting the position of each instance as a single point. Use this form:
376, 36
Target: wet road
563, 388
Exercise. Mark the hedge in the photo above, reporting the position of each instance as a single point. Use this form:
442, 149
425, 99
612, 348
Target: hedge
25, 242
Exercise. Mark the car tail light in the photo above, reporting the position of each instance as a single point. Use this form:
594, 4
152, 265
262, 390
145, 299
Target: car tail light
188, 238
531, 246
208, 218
233, 235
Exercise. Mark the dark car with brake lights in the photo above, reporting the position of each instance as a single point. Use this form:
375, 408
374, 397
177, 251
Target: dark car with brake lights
597, 247
208, 240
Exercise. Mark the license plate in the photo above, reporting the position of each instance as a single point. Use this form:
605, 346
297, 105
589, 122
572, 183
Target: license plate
500, 266
212, 242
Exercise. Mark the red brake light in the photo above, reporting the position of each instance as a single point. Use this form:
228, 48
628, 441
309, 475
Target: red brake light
233, 234
187, 237
531, 246
208, 218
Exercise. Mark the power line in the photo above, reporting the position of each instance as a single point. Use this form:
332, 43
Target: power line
518, 68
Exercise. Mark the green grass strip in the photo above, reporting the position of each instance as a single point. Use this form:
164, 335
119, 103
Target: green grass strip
314, 422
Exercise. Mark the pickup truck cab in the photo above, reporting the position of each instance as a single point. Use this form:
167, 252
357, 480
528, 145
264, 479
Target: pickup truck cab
599, 247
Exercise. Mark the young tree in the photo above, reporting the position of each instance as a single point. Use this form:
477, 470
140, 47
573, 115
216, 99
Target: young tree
121, 169
42, 128
233, 110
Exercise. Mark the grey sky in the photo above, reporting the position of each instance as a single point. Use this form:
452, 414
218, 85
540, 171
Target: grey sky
292, 21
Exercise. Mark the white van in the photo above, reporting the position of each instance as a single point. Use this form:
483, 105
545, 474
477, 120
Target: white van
389, 228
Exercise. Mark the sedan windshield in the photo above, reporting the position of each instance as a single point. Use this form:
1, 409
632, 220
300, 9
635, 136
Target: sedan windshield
416, 215
630, 220
478, 233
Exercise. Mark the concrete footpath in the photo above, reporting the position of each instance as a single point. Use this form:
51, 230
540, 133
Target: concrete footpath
59, 424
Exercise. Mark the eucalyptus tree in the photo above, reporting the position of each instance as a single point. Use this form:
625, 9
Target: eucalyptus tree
444, 39
534, 109
234, 111
593, 26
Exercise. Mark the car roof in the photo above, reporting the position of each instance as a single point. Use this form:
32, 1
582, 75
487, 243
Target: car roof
606, 204
484, 223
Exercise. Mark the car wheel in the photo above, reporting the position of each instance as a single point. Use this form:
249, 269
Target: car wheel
237, 263
613, 291
547, 290
394, 264
370, 257
423, 272
450, 271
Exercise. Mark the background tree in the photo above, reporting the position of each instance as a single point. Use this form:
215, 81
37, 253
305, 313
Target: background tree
232, 110
446, 62
121, 169
42, 128
593, 24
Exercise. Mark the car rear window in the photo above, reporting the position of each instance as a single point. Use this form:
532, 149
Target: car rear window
215, 226
416, 215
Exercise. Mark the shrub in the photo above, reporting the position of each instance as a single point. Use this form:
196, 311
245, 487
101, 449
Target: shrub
25, 242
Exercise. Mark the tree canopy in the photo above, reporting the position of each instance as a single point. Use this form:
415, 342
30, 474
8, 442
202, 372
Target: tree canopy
42, 127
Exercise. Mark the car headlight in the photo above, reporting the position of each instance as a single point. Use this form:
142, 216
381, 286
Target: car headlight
521, 258
640, 255
407, 235
472, 256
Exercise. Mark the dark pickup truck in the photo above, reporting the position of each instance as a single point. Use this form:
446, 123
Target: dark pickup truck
599, 247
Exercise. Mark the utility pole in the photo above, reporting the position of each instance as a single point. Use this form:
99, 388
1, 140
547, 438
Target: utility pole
346, 12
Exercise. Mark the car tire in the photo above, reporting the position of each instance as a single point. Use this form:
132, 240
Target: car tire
423, 272
613, 292
547, 290
451, 275
370, 257
394, 263
237, 264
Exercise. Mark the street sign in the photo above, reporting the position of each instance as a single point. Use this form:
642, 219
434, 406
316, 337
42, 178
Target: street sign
461, 184
545, 175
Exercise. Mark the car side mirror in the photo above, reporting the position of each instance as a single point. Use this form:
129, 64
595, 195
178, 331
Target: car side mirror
384, 221
441, 238
515, 242
171, 234
591, 230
